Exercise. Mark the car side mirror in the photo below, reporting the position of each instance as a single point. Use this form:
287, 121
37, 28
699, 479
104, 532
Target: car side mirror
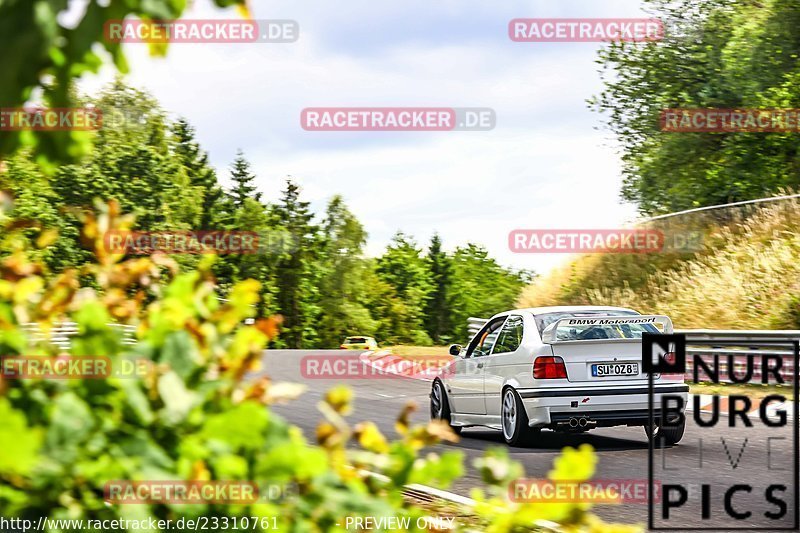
455, 349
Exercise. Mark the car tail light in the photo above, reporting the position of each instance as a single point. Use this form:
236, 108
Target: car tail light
669, 358
343, 347
547, 367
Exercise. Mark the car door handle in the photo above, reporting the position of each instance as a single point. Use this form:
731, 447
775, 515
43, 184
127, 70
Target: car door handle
480, 365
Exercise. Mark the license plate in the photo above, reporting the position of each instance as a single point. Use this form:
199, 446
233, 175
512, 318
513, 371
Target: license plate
615, 369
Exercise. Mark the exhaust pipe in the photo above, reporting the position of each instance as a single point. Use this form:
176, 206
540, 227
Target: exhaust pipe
576, 424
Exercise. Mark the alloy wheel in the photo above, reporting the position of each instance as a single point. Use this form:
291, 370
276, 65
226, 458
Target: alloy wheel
509, 414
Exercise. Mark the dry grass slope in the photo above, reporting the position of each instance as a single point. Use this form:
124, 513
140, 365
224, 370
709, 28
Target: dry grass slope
747, 277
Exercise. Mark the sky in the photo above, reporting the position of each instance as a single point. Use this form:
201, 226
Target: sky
548, 163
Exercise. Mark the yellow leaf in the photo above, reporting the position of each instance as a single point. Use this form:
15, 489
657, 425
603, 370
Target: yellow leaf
26, 288
574, 465
340, 399
370, 438
200, 472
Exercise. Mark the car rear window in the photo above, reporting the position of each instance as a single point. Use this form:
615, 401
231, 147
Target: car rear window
355, 339
545, 319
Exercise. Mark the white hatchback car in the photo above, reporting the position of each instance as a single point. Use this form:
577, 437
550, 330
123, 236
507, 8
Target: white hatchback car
562, 368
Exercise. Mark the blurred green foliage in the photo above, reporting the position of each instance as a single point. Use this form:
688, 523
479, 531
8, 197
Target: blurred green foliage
193, 416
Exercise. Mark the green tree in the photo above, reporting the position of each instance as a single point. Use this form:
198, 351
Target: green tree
201, 175
341, 301
481, 287
296, 275
404, 269
395, 321
241, 209
715, 54
437, 310
260, 265
132, 161
243, 182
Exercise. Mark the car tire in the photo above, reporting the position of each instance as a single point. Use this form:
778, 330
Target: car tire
514, 420
669, 436
440, 407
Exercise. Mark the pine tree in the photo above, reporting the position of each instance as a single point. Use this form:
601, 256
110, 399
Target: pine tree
201, 174
436, 309
242, 179
296, 277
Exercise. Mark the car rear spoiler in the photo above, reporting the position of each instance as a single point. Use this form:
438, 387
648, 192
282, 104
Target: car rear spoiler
549, 333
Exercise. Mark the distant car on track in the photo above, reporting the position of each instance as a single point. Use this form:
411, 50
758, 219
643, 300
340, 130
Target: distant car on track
560, 368
359, 343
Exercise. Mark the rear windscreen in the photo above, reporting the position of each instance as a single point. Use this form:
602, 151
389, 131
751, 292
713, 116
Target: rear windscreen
593, 331
355, 339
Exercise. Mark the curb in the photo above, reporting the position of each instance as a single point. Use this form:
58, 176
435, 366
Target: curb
385, 361
451, 497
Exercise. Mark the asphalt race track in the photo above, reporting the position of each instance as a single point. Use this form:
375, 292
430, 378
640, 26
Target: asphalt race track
622, 451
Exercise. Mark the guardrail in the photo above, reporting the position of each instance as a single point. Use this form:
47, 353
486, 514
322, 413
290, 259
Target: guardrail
736, 345
61, 333
474, 325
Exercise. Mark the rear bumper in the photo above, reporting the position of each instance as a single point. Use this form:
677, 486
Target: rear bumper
633, 417
603, 406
